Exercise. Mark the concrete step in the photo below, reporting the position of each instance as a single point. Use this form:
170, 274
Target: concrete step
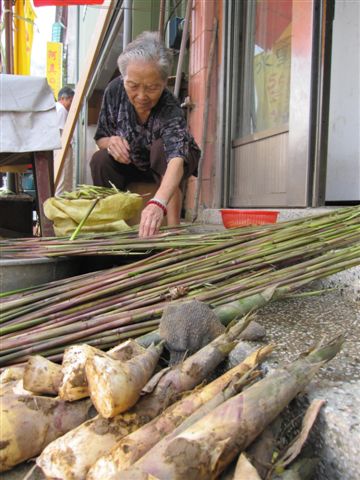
336, 436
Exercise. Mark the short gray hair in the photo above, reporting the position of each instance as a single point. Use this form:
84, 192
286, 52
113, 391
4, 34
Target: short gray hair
66, 92
149, 48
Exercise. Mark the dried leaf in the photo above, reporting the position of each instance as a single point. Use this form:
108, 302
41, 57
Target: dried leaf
154, 380
269, 292
295, 448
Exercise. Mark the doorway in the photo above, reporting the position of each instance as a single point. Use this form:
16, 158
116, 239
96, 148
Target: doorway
271, 98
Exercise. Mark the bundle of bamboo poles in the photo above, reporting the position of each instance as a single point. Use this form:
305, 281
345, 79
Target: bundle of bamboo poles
108, 243
116, 243
105, 307
128, 243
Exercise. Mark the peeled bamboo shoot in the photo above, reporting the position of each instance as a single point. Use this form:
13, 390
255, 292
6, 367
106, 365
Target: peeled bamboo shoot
115, 385
11, 373
14, 387
74, 383
42, 376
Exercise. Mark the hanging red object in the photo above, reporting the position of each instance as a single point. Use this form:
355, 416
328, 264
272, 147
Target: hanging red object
272, 18
65, 3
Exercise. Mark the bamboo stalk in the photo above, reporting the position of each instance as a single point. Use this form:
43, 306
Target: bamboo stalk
231, 267
45, 245
82, 223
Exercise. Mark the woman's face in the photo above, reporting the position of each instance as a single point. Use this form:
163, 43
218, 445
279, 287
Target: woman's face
143, 85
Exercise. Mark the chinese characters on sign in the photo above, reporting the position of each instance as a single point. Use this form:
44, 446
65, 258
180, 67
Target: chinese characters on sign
272, 84
54, 66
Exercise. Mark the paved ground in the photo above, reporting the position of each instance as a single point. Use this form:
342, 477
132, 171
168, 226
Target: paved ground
297, 323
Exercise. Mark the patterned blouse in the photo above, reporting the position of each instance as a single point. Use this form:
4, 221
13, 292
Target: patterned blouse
166, 121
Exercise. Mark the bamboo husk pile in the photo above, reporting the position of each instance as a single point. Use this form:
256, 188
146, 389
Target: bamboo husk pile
233, 276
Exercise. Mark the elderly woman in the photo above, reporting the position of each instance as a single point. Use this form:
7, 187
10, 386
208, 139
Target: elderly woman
142, 133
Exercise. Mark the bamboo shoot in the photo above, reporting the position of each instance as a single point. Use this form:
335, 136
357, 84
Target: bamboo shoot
135, 445
100, 434
207, 447
29, 423
74, 383
114, 385
42, 376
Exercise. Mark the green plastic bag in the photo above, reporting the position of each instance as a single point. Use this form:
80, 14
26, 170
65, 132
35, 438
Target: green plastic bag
109, 215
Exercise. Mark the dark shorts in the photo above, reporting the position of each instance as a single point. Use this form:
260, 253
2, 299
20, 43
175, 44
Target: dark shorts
104, 168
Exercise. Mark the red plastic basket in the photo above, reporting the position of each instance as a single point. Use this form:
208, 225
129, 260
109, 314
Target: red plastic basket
233, 218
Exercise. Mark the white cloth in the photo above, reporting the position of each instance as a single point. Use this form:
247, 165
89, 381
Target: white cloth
28, 120
65, 183
62, 114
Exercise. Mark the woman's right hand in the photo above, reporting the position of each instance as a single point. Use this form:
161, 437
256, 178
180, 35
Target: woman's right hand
119, 149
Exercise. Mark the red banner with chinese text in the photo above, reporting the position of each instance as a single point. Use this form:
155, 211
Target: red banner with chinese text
64, 3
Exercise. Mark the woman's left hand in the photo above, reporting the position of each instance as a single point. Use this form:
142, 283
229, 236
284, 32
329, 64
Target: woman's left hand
151, 219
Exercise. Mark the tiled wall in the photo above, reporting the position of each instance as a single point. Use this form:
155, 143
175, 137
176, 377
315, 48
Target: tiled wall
202, 24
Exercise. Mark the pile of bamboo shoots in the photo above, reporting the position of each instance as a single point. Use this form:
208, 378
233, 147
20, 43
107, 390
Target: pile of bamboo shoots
163, 424
90, 192
232, 272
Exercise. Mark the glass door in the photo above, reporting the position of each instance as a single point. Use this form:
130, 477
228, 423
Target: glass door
271, 58
267, 70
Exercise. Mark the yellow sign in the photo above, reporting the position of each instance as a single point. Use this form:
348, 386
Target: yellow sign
24, 17
54, 66
272, 84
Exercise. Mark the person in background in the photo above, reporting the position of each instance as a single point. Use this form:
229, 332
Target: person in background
65, 98
142, 133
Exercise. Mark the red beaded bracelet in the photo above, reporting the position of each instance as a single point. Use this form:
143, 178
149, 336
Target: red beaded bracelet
153, 201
